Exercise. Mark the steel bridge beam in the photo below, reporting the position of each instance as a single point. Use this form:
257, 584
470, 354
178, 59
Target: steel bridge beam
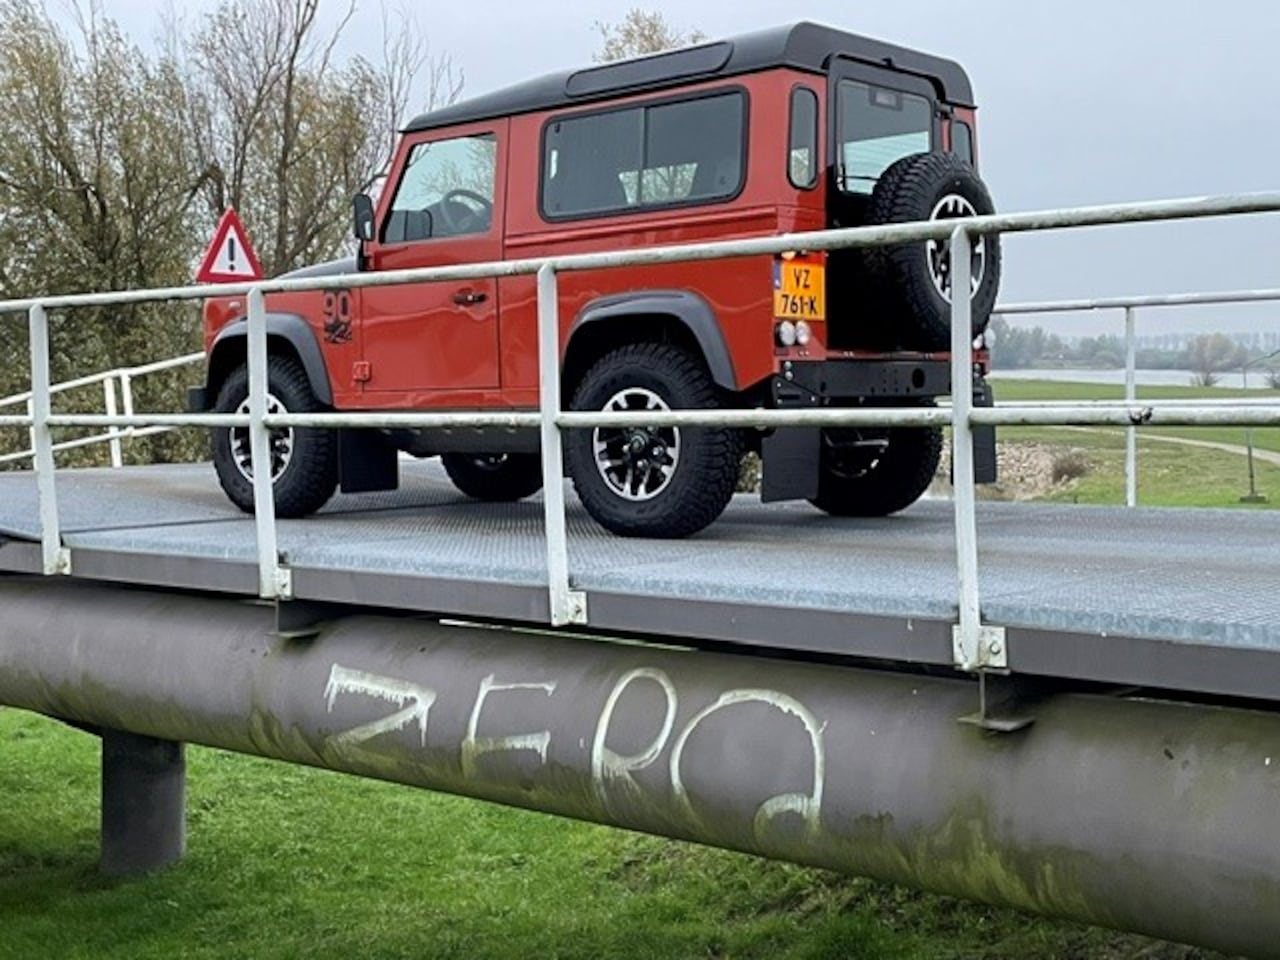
1155, 817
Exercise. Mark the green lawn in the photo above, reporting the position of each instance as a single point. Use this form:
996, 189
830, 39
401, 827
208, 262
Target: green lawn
1267, 438
1169, 475
290, 862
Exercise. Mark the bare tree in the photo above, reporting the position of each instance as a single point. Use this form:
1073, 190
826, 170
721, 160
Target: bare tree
115, 160
1211, 354
641, 32
407, 62
285, 134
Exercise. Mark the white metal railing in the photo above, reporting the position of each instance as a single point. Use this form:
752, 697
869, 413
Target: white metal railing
1129, 307
977, 646
117, 389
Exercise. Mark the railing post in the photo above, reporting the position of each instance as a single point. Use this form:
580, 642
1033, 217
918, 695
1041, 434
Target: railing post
31, 434
1130, 396
974, 646
54, 557
273, 580
567, 605
113, 433
126, 395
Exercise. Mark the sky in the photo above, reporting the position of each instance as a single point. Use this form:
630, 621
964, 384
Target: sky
1080, 102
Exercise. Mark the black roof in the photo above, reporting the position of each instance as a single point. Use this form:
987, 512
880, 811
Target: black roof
804, 46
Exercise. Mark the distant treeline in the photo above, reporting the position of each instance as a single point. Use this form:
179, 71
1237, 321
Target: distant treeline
1018, 347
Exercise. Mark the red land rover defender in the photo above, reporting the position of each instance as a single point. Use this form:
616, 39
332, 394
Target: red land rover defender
792, 129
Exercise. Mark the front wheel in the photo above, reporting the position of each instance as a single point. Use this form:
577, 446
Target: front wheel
647, 481
304, 461
869, 472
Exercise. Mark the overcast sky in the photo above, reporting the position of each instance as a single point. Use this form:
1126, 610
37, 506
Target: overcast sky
1087, 101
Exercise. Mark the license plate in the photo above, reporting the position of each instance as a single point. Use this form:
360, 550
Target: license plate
800, 288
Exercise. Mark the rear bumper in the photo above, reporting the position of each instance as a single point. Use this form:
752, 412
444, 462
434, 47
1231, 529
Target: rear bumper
828, 380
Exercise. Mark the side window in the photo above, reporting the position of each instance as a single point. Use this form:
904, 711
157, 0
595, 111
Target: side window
877, 128
802, 142
446, 191
962, 140
689, 151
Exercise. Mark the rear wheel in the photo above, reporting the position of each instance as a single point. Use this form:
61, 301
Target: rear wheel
648, 481
873, 472
497, 477
304, 461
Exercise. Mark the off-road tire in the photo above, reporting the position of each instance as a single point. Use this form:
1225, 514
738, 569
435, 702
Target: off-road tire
494, 478
311, 476
704, 477
909, 309
896, 480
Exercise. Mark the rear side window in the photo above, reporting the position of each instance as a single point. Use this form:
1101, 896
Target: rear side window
878, 127
643, 157
962, 140
802, 142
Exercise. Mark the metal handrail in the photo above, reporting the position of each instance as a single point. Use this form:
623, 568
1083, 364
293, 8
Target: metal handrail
1097, 304
977, 646
847, 237
121, 376
1130, 305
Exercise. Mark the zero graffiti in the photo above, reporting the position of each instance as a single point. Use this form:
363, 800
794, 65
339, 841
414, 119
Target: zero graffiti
613, 774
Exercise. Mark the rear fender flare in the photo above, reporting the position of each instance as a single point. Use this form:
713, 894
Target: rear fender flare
685, 308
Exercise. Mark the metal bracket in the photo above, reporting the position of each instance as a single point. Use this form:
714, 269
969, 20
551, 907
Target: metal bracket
302, 619
282, 579
985, 648
61, 562
1002, 703
574, 611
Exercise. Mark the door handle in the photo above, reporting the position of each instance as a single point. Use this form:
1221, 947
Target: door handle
469, 298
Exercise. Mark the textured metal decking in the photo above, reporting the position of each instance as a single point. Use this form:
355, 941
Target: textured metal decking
1176, 598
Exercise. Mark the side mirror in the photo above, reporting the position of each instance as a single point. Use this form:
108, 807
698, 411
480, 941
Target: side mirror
362, 207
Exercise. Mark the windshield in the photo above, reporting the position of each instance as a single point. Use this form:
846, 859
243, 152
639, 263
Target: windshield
878, 127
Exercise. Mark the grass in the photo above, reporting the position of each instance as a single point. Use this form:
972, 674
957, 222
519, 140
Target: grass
290, 862
1169, 475
1264, 438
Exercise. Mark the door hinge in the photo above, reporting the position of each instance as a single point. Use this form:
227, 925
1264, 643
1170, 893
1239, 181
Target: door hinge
361, 371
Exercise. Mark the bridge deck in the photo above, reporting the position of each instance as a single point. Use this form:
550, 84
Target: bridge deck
1169, 598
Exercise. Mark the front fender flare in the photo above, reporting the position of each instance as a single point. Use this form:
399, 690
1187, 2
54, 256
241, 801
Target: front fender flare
283, 326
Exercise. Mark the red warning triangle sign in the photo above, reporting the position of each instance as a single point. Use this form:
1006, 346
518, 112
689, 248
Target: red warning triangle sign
230, 258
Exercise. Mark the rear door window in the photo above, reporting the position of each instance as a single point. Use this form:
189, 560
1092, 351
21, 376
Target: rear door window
876, 128
644, 157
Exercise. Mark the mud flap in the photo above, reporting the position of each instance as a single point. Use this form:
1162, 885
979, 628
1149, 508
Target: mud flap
984, 438
367, 462
790, 459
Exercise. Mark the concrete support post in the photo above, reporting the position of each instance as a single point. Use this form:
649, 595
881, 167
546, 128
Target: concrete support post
143, 803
